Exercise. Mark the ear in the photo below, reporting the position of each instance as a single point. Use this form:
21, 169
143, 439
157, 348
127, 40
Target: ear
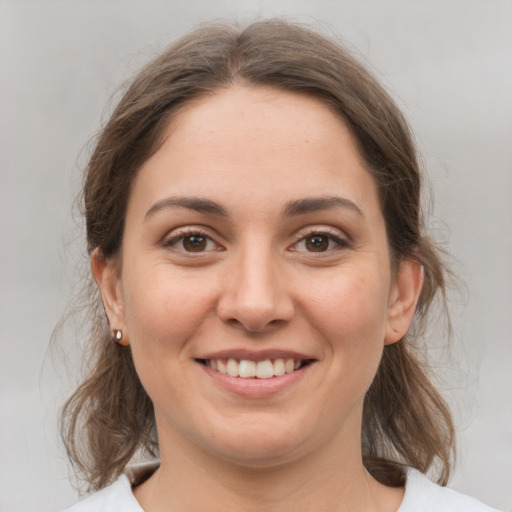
403, 298
106, 275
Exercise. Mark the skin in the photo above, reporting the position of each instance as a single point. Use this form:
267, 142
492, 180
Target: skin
258, 283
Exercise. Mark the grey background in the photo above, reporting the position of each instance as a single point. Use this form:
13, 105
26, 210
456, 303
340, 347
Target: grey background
448, 63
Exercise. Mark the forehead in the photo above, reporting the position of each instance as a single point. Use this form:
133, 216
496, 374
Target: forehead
261, 116
257, 143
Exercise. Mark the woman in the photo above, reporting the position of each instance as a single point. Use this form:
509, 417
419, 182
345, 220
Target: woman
253, 219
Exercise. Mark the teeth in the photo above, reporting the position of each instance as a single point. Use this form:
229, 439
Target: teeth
247, 369
232, 368
288, 365
264, 369
279, 367
221, 366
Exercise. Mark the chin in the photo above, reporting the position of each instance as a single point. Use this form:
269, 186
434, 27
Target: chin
260, 444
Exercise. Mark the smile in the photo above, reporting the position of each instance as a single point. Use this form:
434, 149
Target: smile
248, 369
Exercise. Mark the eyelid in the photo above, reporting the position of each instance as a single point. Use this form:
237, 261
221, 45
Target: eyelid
334, 234
179, 233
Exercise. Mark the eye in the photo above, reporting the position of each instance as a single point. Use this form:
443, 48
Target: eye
192, 242
195, 243
319, 242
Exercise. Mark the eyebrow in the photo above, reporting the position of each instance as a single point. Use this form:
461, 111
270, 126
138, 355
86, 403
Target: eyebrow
197, 204
315, 204
291, 209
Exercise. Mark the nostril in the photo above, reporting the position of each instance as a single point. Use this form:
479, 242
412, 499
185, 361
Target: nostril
234, 322
255, 327
277, 323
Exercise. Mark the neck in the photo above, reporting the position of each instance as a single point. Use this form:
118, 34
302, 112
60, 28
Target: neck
190, 479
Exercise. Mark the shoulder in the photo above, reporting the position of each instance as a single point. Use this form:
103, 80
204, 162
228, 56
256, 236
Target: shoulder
422, 495
117, 496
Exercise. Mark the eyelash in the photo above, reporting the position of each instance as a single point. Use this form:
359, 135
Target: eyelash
302, 237
188, 233
330, 235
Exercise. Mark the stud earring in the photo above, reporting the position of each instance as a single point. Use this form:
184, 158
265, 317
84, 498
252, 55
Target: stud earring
118, 335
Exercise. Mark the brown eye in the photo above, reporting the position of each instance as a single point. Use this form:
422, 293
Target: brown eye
191, 242
320, 242
317, 243
195, 243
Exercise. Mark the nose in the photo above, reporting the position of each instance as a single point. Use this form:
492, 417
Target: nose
255, 296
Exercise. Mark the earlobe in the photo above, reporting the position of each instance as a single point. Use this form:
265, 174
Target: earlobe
106, 275
403, 300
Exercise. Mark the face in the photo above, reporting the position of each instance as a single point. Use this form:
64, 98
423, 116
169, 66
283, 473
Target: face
255, 287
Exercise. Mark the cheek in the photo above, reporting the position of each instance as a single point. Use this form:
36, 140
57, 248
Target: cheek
353, 305
351, 313
164, 309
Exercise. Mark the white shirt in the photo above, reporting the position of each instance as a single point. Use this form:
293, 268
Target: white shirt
421, 495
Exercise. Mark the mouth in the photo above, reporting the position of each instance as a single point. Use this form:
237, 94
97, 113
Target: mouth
251, 369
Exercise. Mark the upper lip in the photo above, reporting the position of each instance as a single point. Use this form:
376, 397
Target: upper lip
255, 355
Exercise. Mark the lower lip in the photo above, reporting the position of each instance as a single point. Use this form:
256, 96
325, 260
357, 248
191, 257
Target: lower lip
256, 388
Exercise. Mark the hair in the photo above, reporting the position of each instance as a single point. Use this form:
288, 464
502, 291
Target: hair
110, 418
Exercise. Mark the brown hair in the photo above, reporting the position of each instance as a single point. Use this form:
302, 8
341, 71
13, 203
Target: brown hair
110, 417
